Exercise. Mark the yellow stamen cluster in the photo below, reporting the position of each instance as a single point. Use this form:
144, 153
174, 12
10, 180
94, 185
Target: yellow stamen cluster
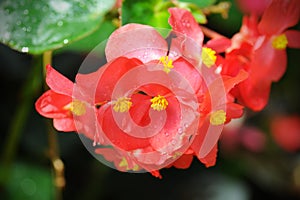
124, 163
167, 63
280, 42
159, 103
77, 107
218, 117
208, 56
122, 104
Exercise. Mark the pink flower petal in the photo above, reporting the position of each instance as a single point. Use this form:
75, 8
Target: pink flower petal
57, 82
279, 16
293, 37
182, 21
253, 6
136, 41
219, 45
64, 124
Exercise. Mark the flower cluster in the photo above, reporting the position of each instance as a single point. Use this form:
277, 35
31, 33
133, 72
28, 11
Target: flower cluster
260, 49
159, 102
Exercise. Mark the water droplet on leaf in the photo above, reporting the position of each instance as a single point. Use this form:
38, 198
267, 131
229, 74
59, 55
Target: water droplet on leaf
25, 12
25, 49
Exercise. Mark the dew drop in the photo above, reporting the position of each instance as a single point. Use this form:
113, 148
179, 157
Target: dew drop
66, 41
28, 186
218, 70
25, 49
186, 125
25, 12
180, 131
166, 134
173, 142
94, 143
18, 23
60, 23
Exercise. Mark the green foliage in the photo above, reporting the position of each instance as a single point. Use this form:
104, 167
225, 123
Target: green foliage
150, 12
39, 26
29, 182
91, 41
200, 3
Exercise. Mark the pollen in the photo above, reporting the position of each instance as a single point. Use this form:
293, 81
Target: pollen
280, 42
218, 117
124, 163
167, 63
77, 107
159, 103
208, 56
122, 104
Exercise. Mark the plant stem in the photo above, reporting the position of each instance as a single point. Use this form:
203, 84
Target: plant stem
53, 152
16, 128
210, 33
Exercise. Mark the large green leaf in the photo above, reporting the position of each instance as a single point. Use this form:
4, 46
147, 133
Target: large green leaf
88, 43
37, 26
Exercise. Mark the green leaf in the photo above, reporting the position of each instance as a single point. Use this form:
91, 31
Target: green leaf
150, 12
200, 3
30, 182
38, 26
91, 41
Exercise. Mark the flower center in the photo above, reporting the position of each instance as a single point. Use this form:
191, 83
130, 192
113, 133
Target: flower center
124, 163
208, 56
280, 42
218, 117
77, 107
167, 63
159, 103
122, 104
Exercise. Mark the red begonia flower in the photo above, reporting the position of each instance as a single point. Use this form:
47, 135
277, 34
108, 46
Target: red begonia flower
55, 103
253, 6
153, 104
286, 132
259, 49
61, 105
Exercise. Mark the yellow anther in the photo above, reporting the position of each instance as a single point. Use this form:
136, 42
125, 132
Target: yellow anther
122, 104
280, 42
218, 117
124, 163
177, 154
77, 107
159, 103
167, 63
208, 56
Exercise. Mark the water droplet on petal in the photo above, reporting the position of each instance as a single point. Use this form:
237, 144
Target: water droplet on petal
166, 134
180, 131
25, 49
173, 142
66, 41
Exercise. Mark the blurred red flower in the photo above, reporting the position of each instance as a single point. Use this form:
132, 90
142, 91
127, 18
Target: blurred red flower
286, 132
